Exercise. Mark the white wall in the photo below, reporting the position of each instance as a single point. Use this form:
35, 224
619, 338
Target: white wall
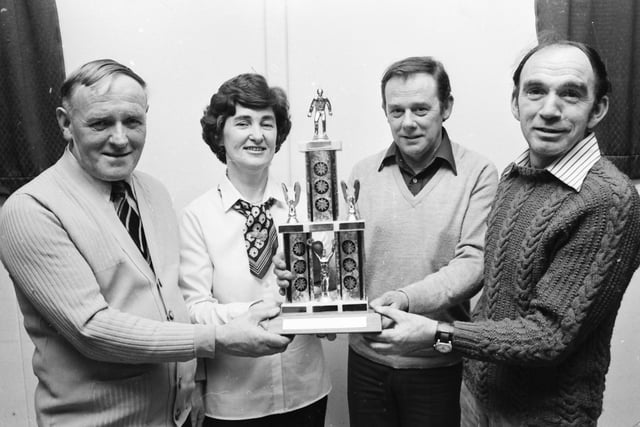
186, 49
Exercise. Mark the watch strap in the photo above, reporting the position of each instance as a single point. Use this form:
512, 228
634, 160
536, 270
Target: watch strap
444, 332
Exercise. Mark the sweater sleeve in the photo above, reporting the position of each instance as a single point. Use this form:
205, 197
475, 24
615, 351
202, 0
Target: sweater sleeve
196, 277
461, 278
48, 269
581, 289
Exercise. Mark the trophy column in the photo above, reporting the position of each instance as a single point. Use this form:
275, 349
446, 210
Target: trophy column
297, 258
322, 180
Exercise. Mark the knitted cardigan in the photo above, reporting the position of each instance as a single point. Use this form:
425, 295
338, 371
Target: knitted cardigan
105, 353
557, 263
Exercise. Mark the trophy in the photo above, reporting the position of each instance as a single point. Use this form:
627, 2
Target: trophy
325, 255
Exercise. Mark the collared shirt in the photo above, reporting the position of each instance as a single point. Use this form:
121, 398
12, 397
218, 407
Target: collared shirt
218, 286
417, 180
572, 167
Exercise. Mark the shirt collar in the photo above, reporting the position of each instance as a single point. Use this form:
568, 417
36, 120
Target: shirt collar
571, 168
229, 195
445, 152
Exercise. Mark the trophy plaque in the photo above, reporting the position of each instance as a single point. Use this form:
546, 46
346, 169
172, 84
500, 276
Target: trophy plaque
325, 255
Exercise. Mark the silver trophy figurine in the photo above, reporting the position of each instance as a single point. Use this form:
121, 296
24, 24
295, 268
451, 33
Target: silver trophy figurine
320, 103
323, 258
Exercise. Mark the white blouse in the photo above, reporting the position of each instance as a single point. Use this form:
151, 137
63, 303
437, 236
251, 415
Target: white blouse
217, 287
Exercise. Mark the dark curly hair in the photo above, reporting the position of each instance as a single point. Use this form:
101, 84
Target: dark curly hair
250, 91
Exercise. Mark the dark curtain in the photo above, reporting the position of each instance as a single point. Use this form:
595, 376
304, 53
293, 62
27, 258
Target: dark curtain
31, 72
612, 27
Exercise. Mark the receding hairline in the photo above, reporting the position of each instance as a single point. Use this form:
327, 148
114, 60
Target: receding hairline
102, 85
602, 84
94, 72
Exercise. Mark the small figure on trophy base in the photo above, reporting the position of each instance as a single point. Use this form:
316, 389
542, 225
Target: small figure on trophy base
323, 258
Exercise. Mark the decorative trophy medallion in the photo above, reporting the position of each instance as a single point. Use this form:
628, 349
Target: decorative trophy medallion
326, 255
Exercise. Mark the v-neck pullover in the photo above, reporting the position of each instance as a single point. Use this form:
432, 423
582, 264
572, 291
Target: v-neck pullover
429, 245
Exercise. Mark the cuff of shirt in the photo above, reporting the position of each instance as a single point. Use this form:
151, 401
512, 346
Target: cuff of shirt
465, 337
205, 340
408, 292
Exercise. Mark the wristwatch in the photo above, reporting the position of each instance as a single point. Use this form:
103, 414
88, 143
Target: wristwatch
443, 337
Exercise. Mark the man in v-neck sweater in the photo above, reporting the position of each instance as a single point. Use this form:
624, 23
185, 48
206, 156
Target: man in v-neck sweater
425, 200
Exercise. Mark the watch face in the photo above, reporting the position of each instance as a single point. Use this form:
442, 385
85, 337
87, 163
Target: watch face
443, 347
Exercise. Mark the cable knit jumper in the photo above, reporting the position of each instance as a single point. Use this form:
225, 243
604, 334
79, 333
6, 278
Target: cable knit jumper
557, 263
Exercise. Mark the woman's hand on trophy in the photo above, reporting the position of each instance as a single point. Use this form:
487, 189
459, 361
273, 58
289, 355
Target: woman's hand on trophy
280, 269
408, 332
394, 299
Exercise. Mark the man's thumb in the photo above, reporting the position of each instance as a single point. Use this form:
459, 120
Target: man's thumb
390, 312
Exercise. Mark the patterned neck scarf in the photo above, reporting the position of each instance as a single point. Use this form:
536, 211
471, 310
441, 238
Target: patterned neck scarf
260, 237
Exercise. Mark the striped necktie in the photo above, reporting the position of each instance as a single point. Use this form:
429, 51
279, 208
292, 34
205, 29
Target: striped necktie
126, 208
260, 237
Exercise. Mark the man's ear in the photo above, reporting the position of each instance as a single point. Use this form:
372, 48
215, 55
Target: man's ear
447, 108
64, 122
598, 112
515, 110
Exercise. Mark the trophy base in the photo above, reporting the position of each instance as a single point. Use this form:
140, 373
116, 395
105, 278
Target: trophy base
335, 317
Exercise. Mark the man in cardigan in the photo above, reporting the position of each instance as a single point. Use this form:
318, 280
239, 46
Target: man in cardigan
562, 244
99, 294
425, 200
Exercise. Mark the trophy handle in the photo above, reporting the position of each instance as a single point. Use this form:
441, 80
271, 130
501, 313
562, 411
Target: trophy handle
356, 189
296, 191
285, 191
345, 192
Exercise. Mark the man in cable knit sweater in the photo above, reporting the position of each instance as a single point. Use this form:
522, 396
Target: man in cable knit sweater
425, 200
562, 244
113, 342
